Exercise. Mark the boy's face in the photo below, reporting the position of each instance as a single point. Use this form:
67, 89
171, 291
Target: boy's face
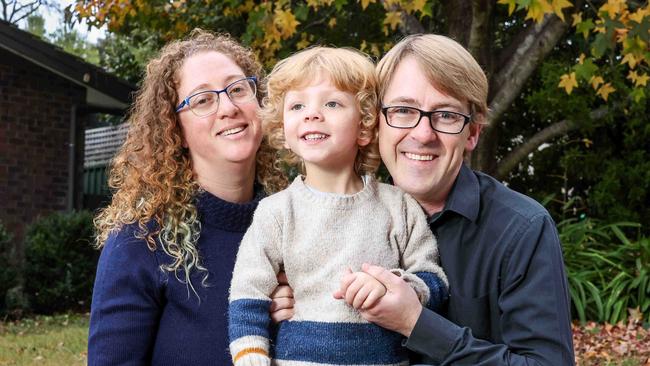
322, 126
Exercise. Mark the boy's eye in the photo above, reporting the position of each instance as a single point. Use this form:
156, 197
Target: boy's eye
331, 104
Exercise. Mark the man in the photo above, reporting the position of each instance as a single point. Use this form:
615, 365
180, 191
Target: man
508, 302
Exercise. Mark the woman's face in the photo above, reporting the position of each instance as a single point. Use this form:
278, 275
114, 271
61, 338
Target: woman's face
229, 136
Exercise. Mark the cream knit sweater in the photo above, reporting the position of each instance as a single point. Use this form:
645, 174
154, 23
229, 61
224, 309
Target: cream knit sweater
314, 237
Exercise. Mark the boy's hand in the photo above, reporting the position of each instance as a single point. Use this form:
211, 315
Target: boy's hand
282, 300
359, 290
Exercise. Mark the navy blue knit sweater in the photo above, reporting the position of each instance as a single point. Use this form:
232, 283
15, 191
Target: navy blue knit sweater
142, 315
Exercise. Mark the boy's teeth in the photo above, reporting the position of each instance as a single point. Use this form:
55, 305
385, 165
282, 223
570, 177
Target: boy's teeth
419, 157
315, 136
232, 131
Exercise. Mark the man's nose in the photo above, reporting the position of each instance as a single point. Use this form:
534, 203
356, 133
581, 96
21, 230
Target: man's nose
423, 131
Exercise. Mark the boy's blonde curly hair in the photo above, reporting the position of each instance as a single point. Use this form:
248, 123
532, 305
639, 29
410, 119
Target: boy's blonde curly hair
350, 71
152, 176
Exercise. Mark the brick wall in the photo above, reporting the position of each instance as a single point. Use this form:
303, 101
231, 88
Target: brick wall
35, 122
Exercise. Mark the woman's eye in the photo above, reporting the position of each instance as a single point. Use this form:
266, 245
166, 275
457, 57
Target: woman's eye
297, 107
332, 104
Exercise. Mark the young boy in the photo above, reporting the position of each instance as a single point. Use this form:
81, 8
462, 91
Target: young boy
321, 112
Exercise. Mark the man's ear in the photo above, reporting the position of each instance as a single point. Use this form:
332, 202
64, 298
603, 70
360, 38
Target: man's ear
472, 139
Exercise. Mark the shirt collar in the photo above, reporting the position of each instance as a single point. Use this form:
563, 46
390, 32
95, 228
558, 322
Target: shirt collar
464, 197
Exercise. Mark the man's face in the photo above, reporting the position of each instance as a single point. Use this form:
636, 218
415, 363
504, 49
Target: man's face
423, 162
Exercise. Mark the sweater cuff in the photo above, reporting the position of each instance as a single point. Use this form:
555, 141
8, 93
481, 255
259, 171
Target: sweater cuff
433, 336
420, 287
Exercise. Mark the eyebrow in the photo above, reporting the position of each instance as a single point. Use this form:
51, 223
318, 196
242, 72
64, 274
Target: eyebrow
205, 86
412, 101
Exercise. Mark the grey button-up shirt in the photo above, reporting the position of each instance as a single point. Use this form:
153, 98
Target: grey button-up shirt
509, 302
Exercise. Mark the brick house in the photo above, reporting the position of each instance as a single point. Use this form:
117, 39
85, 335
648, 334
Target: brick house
46, 98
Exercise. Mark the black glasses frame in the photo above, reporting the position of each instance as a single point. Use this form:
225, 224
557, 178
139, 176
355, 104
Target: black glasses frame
466, 118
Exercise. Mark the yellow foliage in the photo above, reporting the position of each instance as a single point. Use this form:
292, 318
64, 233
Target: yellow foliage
304, 42
332, 22
581, 59
512, 4
577, 19
639, 80
595, 81
537, 9
631, 60
605, 91
613, 7
365, 3
412, 6
393, 19
558, 5
568, 82
640, 14
286, 21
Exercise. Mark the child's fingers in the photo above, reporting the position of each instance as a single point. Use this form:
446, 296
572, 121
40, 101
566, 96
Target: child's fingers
375, 294
352, 290
360, 296
347, 278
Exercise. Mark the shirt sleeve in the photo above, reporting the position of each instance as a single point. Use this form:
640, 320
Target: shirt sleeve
126, 303
534, 307
254, 279
419, 260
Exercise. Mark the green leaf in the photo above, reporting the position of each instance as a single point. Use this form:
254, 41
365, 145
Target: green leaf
600, 45
585, 70
301, 12
585, 27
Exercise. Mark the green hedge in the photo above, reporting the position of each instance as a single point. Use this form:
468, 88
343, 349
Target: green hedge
608, 268
8, 272
60, 262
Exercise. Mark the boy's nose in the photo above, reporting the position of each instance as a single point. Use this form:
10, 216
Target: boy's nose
313, 115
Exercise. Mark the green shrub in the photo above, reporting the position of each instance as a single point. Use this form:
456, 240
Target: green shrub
8, 272
60, 262
608, 271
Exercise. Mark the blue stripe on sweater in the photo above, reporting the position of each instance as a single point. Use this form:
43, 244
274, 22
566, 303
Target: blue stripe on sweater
338, 343
438, 292
248, 317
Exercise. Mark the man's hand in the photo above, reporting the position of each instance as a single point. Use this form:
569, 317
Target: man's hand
399, 309
281, 300
359, 290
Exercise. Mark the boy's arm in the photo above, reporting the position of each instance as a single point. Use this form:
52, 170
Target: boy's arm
254, 279
419, 258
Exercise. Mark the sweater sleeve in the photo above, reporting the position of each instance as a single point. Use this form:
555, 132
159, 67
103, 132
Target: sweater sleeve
419, 258
254, 279
126, 303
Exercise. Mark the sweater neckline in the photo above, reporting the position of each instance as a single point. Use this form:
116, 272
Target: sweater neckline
229, 216
341, 202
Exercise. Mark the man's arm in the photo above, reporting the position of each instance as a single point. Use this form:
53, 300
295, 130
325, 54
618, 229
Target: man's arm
533, 303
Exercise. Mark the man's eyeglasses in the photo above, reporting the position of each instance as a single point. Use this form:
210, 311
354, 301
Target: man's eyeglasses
205, 103
441, 121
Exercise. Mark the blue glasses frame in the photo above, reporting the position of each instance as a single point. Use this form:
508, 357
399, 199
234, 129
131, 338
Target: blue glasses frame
186, 101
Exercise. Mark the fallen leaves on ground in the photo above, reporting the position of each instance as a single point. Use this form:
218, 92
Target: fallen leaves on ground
606, 344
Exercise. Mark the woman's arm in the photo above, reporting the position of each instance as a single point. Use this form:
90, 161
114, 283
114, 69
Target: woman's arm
126, 303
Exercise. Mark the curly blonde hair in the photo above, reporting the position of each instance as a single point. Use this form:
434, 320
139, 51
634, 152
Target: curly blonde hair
152, 176
349, 70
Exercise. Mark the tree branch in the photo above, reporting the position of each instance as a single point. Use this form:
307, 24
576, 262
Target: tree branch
510, 161
509, 81
410, 25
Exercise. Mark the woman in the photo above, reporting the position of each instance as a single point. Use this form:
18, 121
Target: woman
186, 181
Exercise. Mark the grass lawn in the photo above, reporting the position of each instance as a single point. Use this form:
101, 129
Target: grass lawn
44, 340
62, 339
